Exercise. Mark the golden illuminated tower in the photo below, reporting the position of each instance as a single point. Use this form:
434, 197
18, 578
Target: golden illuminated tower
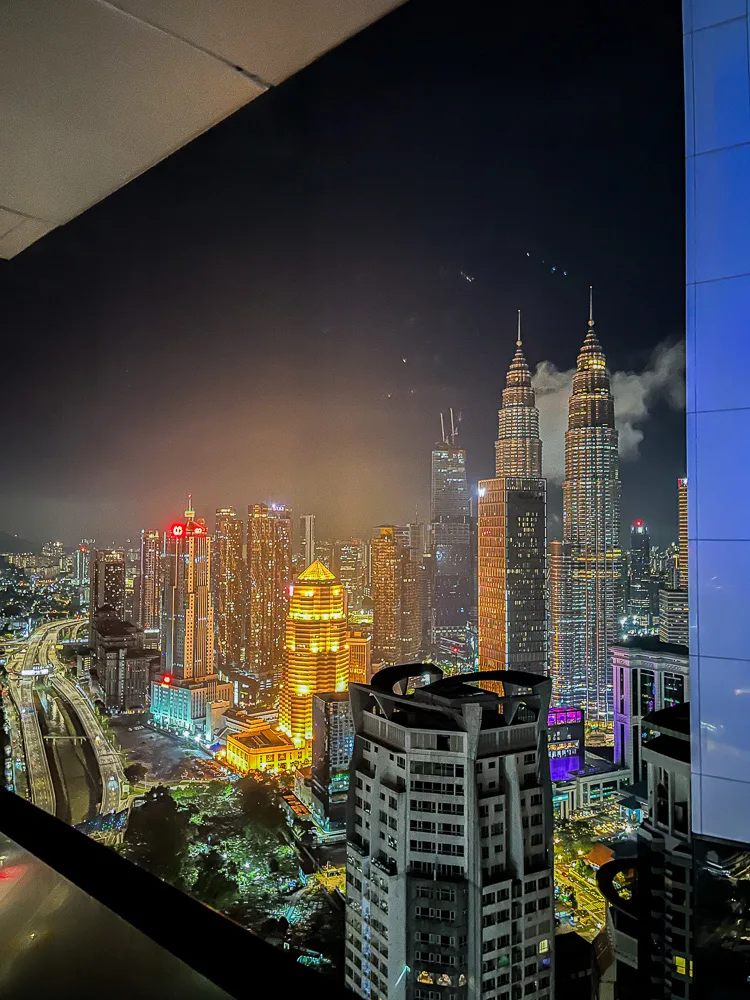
229, 586
682, 501
512, 535
317, 654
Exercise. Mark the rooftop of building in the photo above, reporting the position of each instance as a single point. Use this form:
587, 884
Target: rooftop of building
652, 644
316, 572
262, 738
114, 628
493, 699
673, 721
329, 696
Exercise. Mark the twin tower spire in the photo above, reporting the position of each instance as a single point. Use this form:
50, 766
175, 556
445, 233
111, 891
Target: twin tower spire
518, 449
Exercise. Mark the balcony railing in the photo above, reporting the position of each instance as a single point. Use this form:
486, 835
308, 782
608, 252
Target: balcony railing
77, 919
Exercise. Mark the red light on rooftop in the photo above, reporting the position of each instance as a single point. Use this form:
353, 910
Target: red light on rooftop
197, 530
177, 530
166, 679
638, 524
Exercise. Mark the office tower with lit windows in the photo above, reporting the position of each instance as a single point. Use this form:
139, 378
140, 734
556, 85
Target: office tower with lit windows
396, 625
360, 657
189, 691
349, 567
449, 870
228, 567
269, 574
150, 579
82, 561
317, 655
566, 687
450, 536
682, 516
306, 551
324, 551
107, 581
639, 576
591, 526
512, 535
332, 746
188, 615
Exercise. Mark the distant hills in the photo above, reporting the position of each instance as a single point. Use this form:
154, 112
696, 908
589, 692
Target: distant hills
14, 543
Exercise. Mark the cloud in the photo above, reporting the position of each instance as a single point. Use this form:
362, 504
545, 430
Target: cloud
634, 393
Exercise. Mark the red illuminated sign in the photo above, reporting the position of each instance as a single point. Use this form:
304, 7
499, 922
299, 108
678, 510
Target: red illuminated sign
197, 530
177, 530
166, 679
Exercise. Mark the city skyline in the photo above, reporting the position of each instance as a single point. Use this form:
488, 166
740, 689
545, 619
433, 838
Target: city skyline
292, 286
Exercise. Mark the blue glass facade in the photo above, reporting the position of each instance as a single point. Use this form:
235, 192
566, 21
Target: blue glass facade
717, 105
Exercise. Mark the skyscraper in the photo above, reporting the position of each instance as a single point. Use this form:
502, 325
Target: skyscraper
512, 535
229, 587
107, 576
450, 531
188, 615
306, 541
449, 874
561, 665
317, 655
150, 579
189, 697
360, 657
349, 567
396, 624
591, 526
333, 742
639, 575
269, 566
682, 515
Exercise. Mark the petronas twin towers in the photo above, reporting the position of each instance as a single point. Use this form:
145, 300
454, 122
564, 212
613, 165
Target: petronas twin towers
572, 597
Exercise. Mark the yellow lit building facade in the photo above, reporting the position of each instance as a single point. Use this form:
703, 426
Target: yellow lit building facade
261, 748
317, 653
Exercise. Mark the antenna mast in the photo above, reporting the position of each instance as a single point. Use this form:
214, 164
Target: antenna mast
442, 430
453, 430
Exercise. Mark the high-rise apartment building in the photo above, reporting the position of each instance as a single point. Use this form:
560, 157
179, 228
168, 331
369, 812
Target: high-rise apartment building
229, 587
648, 675
450, 887
682, 517
450, 537
269, 569
512, 535
306, 541
639, 575
396, 625
317, 655
107, 576
654, 927
150, 579
185, 697
591, 526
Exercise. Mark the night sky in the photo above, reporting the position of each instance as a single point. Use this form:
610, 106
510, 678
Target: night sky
234, 322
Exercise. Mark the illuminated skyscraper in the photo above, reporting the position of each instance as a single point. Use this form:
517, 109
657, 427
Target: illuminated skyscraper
639, 575
306, 541
317, 655
107, 575
229, 587
150, 579
559, 573
269, 565
188, 614
189, 696
349, 567
450, 532
682, 514
360, 657
396, 627
512, 535
591, 526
